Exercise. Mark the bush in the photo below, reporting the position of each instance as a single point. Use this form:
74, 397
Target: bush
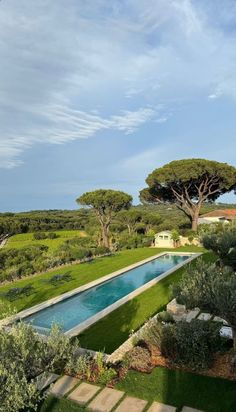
23, 356
59, 279
90, 369
52, 235
6, 309
188, 344
101, 250
39, 235
165, 317
197, 342
224, 245
17, 293
139, 359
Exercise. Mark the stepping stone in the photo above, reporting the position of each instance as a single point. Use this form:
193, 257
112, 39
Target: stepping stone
218, 319
132, 405
63, 386
45, 379
205, 316
175, 308
83, 393
106, 400
226, 332
188, 409
161, 407
192, 315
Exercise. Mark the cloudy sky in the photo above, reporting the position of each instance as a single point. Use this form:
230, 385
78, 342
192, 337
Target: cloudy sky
97, 93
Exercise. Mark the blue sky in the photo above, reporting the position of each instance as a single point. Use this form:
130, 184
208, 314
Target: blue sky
98, 94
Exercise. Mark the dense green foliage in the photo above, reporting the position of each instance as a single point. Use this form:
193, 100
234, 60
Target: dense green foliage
22, 262
188, 184
223, 245
188, 344
23, 357
211, 288
48, 220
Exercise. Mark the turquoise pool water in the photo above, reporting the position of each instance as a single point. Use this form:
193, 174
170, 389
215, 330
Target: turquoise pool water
74, 310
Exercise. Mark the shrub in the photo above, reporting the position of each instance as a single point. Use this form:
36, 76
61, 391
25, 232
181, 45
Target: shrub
59, 279
197, 342
224, 245
52, 235
17, 293
165, 317
91, 369
152, 335
23, 356
6, 309
139, 359
189, 344
39, 236
101, 250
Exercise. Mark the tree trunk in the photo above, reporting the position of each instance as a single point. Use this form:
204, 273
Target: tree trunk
105, 236
234, 339
129, 229
194, 220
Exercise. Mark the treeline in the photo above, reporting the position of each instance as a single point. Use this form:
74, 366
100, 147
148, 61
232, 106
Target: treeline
46, 220
50, 220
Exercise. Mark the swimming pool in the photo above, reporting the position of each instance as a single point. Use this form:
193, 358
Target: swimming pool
78, 311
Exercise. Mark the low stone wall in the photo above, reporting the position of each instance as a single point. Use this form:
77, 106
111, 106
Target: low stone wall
120, 352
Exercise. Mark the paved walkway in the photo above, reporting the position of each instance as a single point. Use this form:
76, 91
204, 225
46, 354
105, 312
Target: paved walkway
97, 399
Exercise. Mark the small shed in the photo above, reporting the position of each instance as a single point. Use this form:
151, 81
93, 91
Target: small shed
164, 239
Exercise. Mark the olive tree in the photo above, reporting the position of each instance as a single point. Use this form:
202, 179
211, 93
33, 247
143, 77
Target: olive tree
106, 204
210, 288
23, 357
188, 184
223, 245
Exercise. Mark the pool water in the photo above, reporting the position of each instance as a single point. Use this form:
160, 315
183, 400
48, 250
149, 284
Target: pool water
74, 310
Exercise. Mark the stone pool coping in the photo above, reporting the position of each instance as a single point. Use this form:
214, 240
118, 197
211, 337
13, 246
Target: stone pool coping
87, 323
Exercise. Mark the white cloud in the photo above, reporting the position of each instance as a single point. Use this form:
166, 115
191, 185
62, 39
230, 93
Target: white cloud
63, 124
69, 72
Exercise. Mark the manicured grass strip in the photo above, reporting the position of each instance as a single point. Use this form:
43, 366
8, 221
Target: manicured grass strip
27, 239
52, 404
180, 388
81, 274
110, 332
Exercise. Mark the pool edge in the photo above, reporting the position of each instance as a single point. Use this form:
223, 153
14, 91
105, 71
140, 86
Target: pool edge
87, 323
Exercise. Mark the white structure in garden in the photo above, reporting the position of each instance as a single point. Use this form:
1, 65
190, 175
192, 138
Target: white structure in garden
164, 239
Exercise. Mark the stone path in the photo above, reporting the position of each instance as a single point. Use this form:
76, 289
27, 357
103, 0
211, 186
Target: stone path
63, 386
84, 393
97, 399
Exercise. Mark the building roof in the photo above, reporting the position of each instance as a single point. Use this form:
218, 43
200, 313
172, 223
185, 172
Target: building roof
226, 213
163, 232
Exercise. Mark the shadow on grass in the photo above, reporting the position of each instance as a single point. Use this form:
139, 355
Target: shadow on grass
51, 404
110, 332
180, 388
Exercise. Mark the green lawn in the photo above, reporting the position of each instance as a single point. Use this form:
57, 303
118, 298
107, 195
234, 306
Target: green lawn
178, 388
171, 387
81, 274
26, 239
52, 404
